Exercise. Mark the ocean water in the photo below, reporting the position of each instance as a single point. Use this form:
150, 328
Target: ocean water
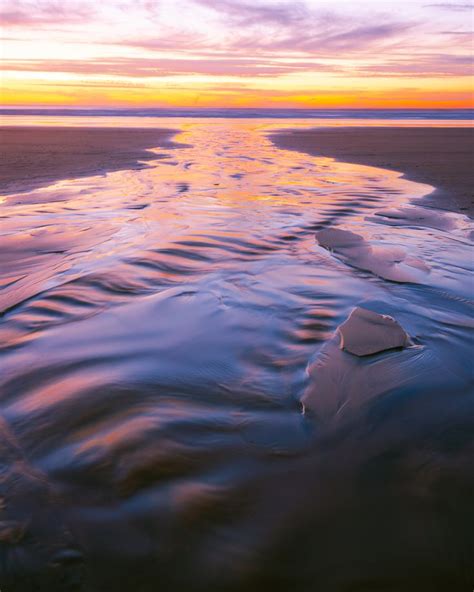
176, 411
250, 113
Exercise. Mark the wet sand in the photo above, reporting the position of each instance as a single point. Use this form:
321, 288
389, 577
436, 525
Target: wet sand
33, 157
441, 157
240, 368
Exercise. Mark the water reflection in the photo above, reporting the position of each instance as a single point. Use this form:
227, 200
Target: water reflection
163, 330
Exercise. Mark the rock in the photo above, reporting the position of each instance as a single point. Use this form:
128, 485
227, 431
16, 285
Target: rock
335, 238
418, 216
390, 262
366, 332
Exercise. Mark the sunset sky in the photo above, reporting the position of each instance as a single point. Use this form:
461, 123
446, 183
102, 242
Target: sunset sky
236, 53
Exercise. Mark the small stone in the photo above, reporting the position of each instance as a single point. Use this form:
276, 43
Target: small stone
366, 332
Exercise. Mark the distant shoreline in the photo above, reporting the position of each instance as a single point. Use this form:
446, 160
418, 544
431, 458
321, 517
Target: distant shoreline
246, 112
442, 157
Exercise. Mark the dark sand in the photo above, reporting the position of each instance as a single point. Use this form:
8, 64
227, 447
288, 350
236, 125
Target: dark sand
32, 157
441, 157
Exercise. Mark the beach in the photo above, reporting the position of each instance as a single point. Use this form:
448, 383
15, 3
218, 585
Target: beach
32, 157
236, 296
441, 157
239, 367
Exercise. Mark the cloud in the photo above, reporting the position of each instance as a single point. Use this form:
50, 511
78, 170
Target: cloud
424, 66
294, 27
20, 13
250, 27
227, 66
253, 13
176, 41
456, 7
318, 42
234, 38
162, 67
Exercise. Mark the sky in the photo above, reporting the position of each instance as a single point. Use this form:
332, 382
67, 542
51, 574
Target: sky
237, 53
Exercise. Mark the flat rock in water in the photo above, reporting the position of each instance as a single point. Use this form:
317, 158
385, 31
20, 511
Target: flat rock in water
390, 262
366, 332
336, 238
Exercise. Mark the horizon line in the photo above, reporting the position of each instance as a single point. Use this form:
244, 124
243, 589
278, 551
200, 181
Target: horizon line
188, 108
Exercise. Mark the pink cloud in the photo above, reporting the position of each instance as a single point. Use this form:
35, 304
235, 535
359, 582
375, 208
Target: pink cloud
153, 67
21, 13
